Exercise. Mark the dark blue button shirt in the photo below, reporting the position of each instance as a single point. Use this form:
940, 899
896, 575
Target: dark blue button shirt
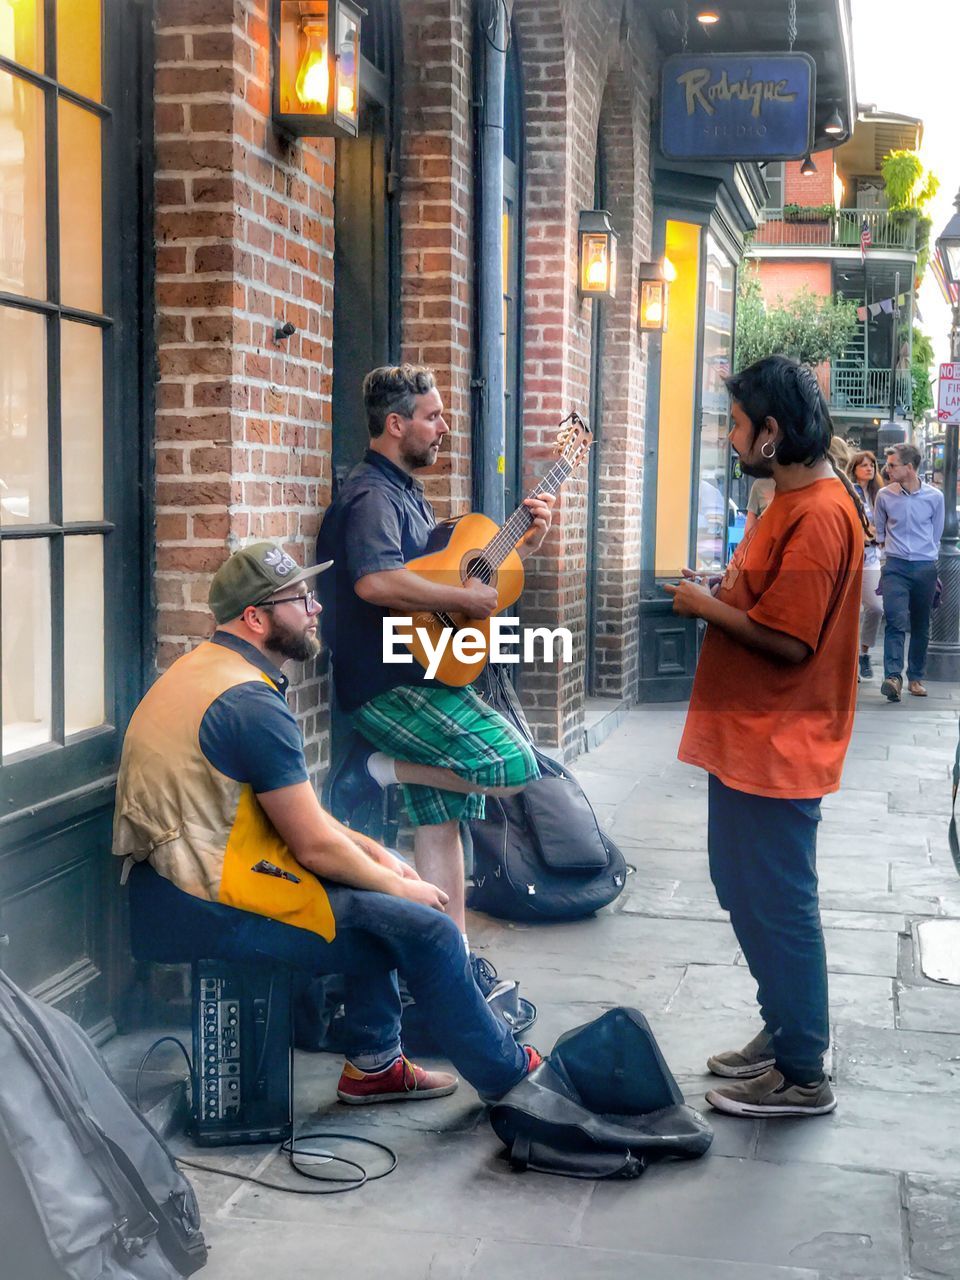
249, 733
378, 521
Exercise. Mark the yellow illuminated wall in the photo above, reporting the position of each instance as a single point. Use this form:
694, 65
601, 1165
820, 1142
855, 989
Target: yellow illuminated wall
678, 378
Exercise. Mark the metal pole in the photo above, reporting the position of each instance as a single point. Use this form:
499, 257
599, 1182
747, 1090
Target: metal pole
895, 359
943, 659
489, 459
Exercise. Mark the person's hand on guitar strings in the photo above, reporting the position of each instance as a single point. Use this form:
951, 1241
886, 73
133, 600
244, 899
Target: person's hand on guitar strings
541, 508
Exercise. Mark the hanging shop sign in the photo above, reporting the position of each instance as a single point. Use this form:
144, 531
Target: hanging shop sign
737, 106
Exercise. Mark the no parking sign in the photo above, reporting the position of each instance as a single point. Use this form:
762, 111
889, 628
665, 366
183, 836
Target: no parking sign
948, 404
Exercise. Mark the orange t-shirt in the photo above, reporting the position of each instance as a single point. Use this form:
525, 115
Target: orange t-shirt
759, 723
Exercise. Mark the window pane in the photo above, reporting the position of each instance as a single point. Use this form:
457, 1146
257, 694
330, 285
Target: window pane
25, 647
83, 633
81, 250
81, 379
21, 32
23, 256
78, 46
24, 488
713, 511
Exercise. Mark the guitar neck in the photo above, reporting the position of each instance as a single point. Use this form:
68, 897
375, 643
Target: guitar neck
509, 536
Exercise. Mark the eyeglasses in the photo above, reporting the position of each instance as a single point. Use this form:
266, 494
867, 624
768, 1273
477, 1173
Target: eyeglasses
308, 601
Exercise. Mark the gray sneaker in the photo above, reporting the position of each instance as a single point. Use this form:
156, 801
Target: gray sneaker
743, 1064
772, 1095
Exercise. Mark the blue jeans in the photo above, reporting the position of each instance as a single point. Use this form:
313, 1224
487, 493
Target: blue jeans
763, 863
908, 587
377, 936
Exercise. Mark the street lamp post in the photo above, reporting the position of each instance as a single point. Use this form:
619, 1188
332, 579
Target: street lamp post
943, 661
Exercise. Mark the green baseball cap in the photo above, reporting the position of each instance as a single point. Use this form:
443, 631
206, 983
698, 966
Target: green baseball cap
252, 575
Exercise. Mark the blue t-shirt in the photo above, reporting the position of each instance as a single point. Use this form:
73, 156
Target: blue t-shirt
378, 521
249, 733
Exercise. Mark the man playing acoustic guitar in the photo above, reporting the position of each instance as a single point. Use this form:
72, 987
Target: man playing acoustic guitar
444, 746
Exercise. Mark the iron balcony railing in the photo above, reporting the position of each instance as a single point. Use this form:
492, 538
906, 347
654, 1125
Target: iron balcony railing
859, 388
839, 229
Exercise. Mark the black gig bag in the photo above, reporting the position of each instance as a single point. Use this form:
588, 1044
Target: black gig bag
602, 1104
87, 1188
540, 855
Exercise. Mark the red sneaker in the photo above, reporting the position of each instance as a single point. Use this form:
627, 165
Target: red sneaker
402, 1081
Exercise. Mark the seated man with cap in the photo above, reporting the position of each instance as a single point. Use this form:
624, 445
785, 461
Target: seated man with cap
231, 856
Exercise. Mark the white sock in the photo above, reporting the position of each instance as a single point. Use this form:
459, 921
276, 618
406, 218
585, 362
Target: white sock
382, 768
466, 943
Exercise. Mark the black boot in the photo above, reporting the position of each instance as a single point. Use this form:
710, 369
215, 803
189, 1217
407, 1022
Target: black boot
866, 667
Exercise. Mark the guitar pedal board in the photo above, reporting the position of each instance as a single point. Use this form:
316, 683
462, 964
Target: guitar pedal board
242, 1053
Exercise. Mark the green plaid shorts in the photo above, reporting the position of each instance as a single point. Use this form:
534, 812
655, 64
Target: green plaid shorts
452, 729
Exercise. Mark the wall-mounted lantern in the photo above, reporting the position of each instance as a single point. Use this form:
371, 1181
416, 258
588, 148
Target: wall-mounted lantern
654, 280
316, 66
598, 254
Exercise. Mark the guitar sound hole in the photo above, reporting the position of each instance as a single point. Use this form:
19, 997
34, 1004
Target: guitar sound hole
480, 568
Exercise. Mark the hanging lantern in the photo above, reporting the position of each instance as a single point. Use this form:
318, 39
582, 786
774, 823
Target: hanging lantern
598, 254
654, 282
316, 67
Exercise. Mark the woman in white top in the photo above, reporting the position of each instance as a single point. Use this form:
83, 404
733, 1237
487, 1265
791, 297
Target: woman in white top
863, 471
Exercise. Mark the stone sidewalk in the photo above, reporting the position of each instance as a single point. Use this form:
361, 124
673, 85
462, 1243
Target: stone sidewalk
870, 1191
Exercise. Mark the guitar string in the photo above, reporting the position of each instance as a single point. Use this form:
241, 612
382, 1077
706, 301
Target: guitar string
559, 472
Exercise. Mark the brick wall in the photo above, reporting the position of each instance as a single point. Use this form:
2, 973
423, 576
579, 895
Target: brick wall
570, 55
783, 279
815, 189
244, 235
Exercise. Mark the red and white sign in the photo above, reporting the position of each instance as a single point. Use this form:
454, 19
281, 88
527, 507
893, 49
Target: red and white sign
948, 405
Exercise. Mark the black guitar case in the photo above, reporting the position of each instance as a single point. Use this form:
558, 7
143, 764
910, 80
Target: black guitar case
603, 1104
540, 855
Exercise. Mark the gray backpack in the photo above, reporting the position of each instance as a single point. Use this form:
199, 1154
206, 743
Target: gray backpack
88, 1191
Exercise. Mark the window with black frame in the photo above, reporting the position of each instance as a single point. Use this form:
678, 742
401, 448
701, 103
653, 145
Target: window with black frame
56, 334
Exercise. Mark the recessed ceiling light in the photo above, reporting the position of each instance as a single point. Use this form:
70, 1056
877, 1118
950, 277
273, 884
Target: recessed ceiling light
707, 17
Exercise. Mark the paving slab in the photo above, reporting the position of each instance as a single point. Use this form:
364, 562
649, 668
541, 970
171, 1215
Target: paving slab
929, 1008
799, 1215
910, 1132
627, 942
250, 1250
496, 1261
933, 1223
710, 990
859, 951
883, 922
896, 1061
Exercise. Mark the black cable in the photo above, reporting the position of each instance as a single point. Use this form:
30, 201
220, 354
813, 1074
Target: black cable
289, 1149
491, 25
146, 1057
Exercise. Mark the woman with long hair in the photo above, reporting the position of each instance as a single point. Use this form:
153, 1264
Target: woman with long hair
864, 475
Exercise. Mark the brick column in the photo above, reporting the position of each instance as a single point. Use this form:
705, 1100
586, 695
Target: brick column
436, 159
244, 230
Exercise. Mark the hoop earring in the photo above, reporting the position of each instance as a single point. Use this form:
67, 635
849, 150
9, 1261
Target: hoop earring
763, 450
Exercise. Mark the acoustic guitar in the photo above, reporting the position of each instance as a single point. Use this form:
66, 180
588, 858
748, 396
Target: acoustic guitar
478, 548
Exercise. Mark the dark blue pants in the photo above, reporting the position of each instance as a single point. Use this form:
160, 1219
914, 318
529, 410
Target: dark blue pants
763, 863
907, 587
377, 936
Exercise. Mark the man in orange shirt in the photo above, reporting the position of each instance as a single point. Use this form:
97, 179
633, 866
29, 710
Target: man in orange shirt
770, 719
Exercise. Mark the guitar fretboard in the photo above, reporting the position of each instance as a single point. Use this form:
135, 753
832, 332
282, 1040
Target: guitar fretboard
507, 537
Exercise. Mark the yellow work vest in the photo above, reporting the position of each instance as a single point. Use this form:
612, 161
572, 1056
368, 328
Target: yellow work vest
198, 828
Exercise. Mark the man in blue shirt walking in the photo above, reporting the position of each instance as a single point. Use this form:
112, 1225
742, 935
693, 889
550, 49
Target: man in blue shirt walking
909, 521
